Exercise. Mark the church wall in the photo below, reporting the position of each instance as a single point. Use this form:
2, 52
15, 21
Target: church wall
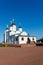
20, 29
32, 39
14, 28
11, 28
11, 33
12, 39
22, 40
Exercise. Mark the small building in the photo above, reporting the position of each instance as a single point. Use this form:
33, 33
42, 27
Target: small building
19, 36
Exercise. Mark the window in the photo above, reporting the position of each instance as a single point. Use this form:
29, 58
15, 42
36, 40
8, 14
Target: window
32, 38
22, 38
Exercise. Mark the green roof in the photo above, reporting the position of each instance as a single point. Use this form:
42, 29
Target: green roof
26, 36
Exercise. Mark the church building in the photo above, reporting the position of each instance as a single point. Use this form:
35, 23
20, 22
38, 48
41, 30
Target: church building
13, 36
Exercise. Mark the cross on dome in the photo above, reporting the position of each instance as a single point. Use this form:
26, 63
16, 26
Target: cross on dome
12, 22
20, 26
6, 27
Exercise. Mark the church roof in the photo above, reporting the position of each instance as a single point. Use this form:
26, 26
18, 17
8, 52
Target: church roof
12, 24
20, 26
24, 33
7, 28
26, 36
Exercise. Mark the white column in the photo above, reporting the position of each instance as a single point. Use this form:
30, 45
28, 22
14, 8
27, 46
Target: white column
5, 36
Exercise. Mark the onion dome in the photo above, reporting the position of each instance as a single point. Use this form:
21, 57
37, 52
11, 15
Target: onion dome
20, 26
7, 27
12, 22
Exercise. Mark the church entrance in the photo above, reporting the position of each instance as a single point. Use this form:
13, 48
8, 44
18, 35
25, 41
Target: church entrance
28, 41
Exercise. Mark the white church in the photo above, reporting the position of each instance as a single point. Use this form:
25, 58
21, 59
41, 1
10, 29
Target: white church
13, 36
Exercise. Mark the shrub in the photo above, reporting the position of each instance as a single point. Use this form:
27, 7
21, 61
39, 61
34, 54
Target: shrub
9, 45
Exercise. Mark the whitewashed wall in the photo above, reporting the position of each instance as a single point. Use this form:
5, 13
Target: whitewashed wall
20, 29
22, 41
12, 33
13, 28
25, 40
31, 39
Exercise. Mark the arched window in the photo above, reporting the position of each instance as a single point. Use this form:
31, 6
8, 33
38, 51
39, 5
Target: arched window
33, 39
22, 38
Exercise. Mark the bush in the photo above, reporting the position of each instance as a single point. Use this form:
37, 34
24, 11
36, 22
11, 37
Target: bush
9, 45
0, 44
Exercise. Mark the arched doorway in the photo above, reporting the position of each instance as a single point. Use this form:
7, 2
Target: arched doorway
28, 41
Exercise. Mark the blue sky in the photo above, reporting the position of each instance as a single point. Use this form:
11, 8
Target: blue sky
28, 13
